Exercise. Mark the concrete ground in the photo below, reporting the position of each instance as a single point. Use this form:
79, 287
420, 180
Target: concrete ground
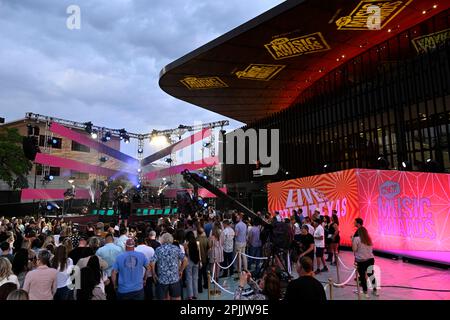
392, 273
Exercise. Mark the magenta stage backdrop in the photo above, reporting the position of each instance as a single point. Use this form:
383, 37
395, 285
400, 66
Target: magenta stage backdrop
51, 194
54, 161
87, 141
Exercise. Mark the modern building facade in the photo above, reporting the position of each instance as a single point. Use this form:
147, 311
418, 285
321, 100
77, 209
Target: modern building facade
342, 95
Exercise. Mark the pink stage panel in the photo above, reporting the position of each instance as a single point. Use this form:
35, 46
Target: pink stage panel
47, 159
207, 162
87, 141
51, 194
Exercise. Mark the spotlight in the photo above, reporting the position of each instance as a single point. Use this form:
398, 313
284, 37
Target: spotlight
139, 170
138, 186
94, 134
169, 160
49, 207
206, 144
106, 137
404, 164
140, 150
382, 163
325, 166
159, 141
428, 160
103, 159
48, 177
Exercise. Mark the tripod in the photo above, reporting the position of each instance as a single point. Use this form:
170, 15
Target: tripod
277, 258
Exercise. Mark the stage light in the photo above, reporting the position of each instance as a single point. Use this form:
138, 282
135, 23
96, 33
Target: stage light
88, 127
382, 163
287, 172
404, 164
325, 166
48, 177
49, 207
126, 139
424, 11
138, 186
139, 170
435, 6
428, 160
205, 205
159, 141
140, 150
103, 159
168, 160
94, 134
206, 144
71, 180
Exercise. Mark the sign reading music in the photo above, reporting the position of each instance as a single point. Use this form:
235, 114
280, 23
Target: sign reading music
361, 16
194, 83
282, 48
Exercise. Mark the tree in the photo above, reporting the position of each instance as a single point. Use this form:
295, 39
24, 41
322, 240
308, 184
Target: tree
14, 166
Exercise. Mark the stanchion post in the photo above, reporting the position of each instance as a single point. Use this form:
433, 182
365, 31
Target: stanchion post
357, 283
337, 269
330, 284
209, 285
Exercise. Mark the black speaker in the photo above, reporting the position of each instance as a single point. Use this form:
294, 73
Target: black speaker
30, 147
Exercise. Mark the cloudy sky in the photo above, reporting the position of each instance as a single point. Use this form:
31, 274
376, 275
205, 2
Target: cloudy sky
107, 72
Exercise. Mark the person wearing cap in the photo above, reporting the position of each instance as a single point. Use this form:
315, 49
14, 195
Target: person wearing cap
131, 267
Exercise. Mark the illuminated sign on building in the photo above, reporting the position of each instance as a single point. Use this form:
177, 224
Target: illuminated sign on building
282, 48
194, 83
263, 72
431, 41
360, 18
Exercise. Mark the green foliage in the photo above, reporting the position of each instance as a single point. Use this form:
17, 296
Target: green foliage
14, 166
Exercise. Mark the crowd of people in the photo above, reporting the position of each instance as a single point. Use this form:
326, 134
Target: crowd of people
169, 258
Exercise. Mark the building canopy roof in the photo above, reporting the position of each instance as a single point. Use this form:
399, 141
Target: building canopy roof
261, 66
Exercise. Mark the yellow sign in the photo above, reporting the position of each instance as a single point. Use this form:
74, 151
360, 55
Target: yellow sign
194, 83
283, 48
362, 15
431, 41
263, 72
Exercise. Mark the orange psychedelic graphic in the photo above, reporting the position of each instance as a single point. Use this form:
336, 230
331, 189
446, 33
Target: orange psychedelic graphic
402, 210
333, 191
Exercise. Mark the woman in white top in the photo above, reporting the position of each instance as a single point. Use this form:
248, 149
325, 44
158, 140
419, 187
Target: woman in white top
6, 274
362, 247
64, 265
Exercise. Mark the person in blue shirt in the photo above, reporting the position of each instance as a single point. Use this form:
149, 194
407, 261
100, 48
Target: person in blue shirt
131, 268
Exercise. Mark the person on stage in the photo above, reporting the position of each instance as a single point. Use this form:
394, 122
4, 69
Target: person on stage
69, 195
124, 210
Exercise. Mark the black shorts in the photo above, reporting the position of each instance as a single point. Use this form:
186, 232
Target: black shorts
174, 290
319, 252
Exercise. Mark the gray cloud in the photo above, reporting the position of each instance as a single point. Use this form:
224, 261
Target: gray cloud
108, 71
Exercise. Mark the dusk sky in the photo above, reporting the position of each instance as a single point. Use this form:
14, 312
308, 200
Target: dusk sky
107, 72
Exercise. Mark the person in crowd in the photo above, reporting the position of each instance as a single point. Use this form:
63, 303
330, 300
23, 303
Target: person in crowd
268, 288
64, 265
204, 247
101, 278
6, 273
94, 244
241, 242
145, 248
5, 247
306, 243
319, 244
215, 253
109, 253
41, 283
171, 262
123, 237
227, 235
89, 289
24, 261
153, 242
6, 289
305, 287
326, 227
363, 250
129, 268
335, 237
307, 222
82, 251
18, 295
316, 215
278, 216
75, 237
193, 254
358, 224
255, 245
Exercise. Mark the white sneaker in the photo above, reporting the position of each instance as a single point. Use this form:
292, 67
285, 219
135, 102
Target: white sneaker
358, 292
